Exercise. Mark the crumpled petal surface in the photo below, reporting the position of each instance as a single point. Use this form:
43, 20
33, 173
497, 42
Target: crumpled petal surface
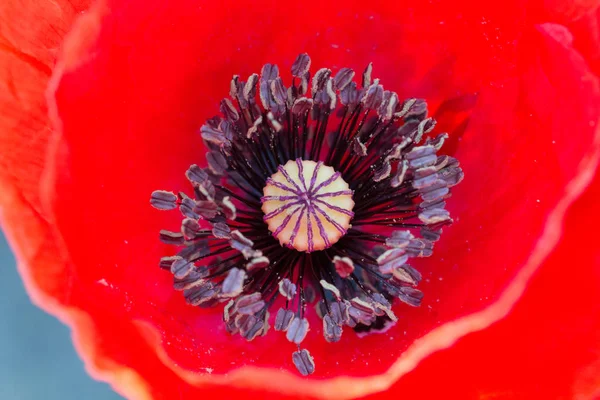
30, 38
134, 84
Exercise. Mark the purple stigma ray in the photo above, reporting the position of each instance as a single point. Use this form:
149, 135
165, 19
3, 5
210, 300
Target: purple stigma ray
332, 222
336, 208
334, 194
277, 198
327, 182
280, 210
283, 187
286, 221
301, 173
322, 230
313, 180
296, 229
311, 243
289, 179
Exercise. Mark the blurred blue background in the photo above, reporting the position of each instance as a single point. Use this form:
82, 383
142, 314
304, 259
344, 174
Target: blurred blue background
37, 358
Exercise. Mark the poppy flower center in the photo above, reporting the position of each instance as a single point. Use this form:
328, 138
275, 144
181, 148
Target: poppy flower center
307, 205
316, 197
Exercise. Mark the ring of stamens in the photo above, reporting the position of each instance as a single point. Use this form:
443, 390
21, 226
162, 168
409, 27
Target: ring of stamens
307, 205
269, 217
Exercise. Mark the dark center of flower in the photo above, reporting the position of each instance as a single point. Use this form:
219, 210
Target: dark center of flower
310, 198
307, 205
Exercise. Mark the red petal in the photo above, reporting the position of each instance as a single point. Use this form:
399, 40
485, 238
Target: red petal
27, 53
130, 114
29, 41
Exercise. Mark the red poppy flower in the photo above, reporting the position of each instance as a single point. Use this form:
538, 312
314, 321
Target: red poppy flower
515, 86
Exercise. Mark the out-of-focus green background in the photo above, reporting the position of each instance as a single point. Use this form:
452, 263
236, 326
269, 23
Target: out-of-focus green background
37, 358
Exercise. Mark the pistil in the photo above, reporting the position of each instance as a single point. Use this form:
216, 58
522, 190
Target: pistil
307, 205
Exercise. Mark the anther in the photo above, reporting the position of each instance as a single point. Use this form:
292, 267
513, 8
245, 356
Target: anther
303, 362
